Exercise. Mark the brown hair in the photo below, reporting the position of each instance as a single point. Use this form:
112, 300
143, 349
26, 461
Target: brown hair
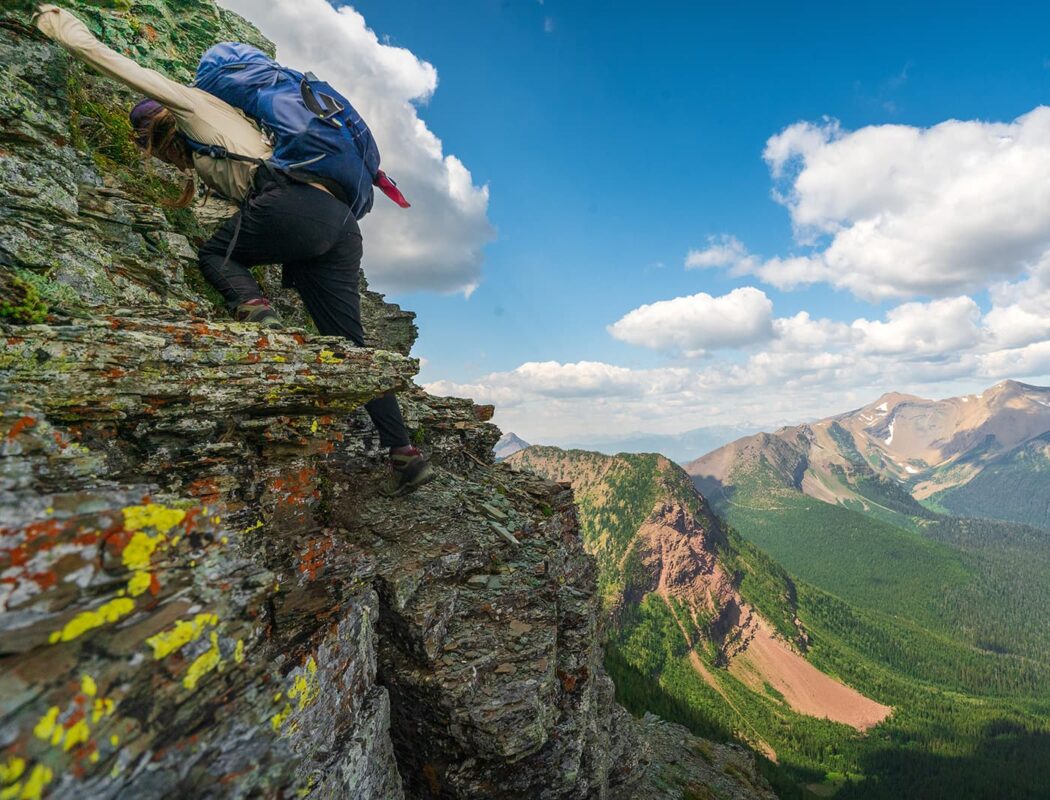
164, 141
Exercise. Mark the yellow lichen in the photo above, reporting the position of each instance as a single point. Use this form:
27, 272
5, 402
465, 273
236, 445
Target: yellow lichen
305, 688
313, 426
238, 652
326, 356
78, 733
114, 740
277, 720
167, 642
140, 549
47, 724
12, 770
34, 786
103, 707
139, 583
88, 686
86, 620
204, 663
153, 515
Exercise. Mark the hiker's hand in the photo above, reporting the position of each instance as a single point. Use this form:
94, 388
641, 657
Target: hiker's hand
41, 18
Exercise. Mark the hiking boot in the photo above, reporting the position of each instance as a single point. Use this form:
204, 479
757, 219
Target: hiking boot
408, 471
258, 311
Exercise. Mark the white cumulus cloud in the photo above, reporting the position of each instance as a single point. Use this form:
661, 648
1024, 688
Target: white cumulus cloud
802, 333
437, 244
942, 327
699, 322
900, 211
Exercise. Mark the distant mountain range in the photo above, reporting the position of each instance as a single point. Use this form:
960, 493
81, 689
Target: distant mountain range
985, 455
679, 447
508, 445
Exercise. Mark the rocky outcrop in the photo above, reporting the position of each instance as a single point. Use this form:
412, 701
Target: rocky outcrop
680, 555
680, 765
196, 571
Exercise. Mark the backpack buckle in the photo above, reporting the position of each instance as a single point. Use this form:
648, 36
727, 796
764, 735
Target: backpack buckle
216, 151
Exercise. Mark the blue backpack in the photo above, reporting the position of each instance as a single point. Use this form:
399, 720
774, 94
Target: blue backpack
314, 129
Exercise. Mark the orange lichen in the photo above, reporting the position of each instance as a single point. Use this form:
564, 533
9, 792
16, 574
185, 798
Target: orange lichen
20, 425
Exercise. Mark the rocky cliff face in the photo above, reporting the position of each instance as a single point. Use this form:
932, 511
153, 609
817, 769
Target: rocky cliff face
201, 592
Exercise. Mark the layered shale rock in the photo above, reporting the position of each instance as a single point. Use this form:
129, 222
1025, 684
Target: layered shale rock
201, 592
680, 765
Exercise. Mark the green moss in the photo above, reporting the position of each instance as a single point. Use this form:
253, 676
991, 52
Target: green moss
773, 692
419, 435
98, 124
20, 300
19, 7
53, 294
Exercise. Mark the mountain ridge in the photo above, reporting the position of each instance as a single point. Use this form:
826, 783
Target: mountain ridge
897, 452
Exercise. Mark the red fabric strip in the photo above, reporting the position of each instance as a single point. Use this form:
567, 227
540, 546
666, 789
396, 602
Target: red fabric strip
389, 188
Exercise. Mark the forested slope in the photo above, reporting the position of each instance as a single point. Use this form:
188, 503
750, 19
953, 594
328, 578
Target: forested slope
927, 618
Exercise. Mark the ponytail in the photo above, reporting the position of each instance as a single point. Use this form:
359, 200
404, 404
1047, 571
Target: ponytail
164, 141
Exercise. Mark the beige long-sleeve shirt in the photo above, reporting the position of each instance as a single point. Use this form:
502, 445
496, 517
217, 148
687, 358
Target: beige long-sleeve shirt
199, 115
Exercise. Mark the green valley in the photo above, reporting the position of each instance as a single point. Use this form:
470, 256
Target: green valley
938, 618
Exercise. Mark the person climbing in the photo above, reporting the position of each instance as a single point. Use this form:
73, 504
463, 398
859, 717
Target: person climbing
304, 220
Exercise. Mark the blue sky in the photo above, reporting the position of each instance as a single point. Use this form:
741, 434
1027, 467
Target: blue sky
615, 138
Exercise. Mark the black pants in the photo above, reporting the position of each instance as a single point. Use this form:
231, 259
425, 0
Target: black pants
317, 239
